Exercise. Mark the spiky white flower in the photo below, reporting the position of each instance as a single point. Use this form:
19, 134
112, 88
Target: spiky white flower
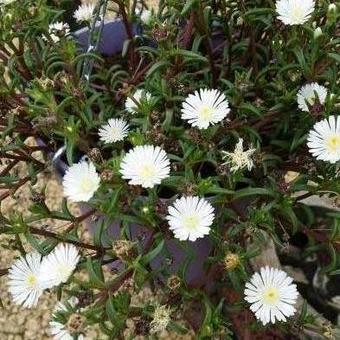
145, 165
190, 218
24, 281
272, 295
114, 131
294, 12
84, 13
59, 330
205, 107
309, 94
324, 140
138, 98
81, 181
161, 319
58, 266
239, 159
57, 30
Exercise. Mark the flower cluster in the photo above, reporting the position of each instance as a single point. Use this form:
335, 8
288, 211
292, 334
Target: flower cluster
197, 140
31, 274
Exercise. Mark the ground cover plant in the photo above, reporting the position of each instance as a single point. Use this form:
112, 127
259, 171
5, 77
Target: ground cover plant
201, 141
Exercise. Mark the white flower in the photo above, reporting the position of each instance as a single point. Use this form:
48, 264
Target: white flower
58, 266
324, 140
146, 16
24, 282
145, 165
205, 107
239, 159
138, 98
294, 12
114, 131
307, 95
84, 13
6, 2
57, 30
190, 218
161, 319
271, 295
59, 330
81, 181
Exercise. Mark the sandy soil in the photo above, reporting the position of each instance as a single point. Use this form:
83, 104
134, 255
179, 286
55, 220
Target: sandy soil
32, 324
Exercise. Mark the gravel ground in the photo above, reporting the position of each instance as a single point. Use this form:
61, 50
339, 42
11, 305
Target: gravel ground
15, 322
32, 324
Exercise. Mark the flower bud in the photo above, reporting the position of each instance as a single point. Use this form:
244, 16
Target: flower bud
332, 14
123, 249
291, 176
231, 261
332, 9
317, 33
146, 16
174, 282
75, 323
107, 175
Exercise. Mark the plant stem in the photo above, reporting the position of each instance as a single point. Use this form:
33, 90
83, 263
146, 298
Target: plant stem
46, 233
129, 32
3, 271
202, 27
187, 35
80, 219
304, 196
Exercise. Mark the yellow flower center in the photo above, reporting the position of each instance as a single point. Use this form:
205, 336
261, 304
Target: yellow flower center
86, 184
297, 14
311, 99
206, 112
271, 295
190, 222
333, 143
114, 132
31, 280
240, 158
147, 172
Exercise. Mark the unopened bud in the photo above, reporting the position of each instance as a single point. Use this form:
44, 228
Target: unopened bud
75, 323
231, 261
123, 249
317, 33
106, 175
174, 282
95, 155
332, 14
332, 8
38, 197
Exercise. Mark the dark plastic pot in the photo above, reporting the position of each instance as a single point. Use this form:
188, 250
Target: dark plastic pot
112, 39
176, 255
